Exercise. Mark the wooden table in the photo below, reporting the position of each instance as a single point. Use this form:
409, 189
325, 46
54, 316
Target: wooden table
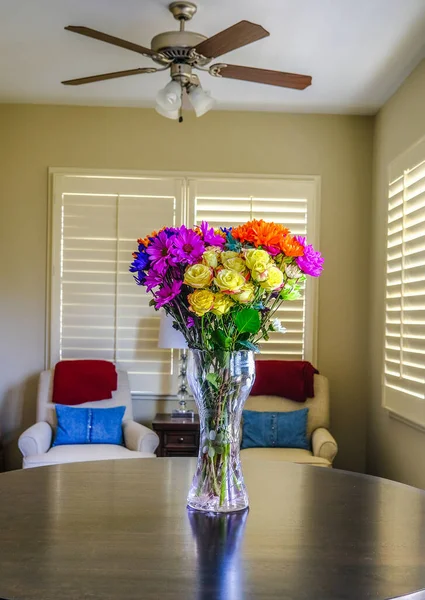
120, 530
177, 437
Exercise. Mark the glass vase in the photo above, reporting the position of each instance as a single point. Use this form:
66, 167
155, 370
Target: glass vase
220, 382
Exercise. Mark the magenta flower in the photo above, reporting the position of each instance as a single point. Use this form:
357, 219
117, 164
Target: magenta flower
210, 237
167, 293
190, 322
160, 252
152, 279
187, 246
272, 250
312, 262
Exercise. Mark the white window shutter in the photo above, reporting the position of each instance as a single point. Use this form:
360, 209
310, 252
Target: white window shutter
290, 202
98, 311
404, 360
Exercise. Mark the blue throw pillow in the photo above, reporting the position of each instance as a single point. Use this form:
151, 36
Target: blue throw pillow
88, 425
275, 429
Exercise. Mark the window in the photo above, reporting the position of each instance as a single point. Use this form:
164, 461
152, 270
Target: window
97, 311
404, 360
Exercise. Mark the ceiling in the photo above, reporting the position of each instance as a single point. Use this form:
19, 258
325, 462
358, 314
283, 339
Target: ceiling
358, 51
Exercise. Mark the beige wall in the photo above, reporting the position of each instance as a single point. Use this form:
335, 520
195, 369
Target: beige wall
395, 450
339, 148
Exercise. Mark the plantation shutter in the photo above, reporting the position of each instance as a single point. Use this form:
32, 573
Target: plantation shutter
98, 311
404, 362
232, 202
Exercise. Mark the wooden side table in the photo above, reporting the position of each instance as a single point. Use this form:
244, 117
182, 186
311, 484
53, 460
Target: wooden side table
177, 437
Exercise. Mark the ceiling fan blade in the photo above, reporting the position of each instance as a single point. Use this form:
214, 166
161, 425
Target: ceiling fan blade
238, 35
279, 78
104, 76
110, 39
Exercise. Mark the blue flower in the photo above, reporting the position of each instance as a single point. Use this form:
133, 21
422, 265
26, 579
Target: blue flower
140, 278
140, 262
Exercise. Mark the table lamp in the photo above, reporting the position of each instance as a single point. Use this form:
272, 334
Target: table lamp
173, 339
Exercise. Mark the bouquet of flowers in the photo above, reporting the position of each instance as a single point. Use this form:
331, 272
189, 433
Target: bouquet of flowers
222, 287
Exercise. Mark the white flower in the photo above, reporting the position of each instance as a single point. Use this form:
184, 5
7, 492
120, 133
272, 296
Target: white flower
277, 326
293, 271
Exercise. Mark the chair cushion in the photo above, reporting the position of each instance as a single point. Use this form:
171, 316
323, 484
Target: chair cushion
82, 453
89, 425
275, 429
287, 454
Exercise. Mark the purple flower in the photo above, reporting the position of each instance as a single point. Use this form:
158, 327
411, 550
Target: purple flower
167, 293
272, 250
210, 237
190, 322
188, 246
152, 279
311, 263
160, 252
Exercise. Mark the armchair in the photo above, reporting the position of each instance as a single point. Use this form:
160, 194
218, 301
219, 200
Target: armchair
35, 443
323, 446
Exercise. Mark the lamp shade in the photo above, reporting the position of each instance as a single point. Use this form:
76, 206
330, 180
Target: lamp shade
170, 114
168, 336
201, 101
169, 98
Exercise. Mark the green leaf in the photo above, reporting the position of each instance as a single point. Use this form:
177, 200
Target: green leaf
290, 295
152, 302
248, 345
247, 320
220, 339
213, 379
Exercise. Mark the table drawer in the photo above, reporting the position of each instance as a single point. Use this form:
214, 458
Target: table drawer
180, 452
181, 439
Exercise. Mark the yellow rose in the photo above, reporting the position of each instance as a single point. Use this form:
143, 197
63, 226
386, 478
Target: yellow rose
222, 304
229, 282
198, 276
260, 271
200, 302
228, 254
254, 256
235, 264
274, 281
210, 258
246, 295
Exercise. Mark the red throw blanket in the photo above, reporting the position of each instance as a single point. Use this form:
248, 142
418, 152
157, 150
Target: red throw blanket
79, 381
293, 379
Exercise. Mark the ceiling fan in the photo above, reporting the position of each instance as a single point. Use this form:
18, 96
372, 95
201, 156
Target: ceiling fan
183, 51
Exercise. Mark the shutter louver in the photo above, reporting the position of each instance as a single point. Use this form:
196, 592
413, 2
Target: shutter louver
231, 202
404, 360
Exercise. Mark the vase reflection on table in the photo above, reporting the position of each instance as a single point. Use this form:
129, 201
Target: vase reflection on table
218, 539
220, 383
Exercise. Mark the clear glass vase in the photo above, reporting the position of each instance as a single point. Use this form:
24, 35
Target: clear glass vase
220, 382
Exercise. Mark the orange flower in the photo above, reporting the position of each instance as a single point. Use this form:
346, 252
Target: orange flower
146, 241
290, 246
260, 233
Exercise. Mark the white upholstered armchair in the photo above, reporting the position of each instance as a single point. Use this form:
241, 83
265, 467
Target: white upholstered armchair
36, 442
323, 446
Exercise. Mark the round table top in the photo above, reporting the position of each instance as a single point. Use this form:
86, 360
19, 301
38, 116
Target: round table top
120, 530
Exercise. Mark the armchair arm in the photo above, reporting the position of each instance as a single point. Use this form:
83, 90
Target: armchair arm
324, 444
36, 439
139, 438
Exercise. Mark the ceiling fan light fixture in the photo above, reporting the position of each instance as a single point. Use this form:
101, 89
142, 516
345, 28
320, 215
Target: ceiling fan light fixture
170, 114
169, 98
201, 100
